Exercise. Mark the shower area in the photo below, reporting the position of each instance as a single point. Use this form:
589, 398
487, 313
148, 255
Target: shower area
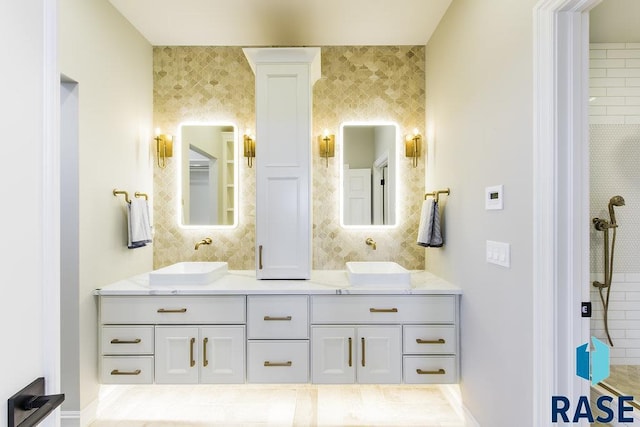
614, 145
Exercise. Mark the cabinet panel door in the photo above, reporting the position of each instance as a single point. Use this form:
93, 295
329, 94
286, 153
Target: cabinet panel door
380, 355
222, 351
283, 162
176, 355
334, 355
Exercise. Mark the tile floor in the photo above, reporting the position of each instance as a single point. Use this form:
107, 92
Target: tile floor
277, 405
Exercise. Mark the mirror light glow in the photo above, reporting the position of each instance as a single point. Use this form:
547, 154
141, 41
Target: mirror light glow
182, 173
394, 206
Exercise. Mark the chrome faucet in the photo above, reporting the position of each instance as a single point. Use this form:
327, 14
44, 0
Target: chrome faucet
205, 241
371, 242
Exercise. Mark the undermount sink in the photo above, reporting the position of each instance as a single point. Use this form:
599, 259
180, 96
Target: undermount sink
378, 273
188, 273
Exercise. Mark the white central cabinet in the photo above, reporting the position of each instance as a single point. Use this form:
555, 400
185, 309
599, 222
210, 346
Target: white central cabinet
284, 80
362, 354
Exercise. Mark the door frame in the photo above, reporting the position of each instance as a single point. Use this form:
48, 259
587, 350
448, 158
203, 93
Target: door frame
50, 251
561, 198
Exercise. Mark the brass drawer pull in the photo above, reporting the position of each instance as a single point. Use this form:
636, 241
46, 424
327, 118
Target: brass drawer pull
260, 257
119, 341
383, 310
277, 318
271, 364
172, 310
438, 372
205, 362
350, 352
117, 372
363, 346
438, 341
191, 344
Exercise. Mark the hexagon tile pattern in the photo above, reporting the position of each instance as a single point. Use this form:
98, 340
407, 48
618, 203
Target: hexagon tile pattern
358, 83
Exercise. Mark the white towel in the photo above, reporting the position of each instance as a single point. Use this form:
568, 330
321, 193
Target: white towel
429, 233
139, 225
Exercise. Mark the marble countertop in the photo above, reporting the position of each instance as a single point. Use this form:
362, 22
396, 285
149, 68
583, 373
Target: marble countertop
244, 282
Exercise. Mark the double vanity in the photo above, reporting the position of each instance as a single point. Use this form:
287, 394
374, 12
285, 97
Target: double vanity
201, 323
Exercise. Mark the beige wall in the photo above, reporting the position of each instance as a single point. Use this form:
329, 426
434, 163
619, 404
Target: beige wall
358, 83
479, 110
112, 63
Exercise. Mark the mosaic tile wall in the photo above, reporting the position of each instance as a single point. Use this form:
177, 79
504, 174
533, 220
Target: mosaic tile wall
614, 143
357, 84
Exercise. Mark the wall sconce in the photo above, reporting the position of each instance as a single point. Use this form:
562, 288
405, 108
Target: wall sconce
164, 148
327, 145
249, 147
412, 147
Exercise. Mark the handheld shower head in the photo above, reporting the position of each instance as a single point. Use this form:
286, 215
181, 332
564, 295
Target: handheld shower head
614, 201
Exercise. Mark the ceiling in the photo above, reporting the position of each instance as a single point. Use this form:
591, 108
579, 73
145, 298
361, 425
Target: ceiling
283, 22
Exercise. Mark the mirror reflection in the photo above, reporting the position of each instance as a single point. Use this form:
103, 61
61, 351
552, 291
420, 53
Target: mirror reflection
208, 175
368, 175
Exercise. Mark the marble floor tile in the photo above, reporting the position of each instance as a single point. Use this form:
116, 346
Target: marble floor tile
275, 405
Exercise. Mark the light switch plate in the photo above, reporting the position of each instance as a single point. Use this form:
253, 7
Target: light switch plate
499, 253
493, 197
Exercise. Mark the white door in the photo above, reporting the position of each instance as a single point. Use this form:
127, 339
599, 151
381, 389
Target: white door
223, 352
283, 185
380, 355
357, 197
333, 355
176, 355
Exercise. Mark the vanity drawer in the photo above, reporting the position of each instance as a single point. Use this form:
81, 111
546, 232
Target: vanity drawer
282, 316
432, 339
127, 370
429, 369
127, 340
278, 362
383, 309
172, 309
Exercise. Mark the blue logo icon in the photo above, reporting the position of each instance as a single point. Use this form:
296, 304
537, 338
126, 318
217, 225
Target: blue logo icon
593, 365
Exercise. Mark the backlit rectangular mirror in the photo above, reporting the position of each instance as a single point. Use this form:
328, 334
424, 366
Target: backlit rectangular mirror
208, 175
368, 176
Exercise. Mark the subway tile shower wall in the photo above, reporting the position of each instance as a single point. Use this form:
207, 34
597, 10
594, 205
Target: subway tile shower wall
614, 144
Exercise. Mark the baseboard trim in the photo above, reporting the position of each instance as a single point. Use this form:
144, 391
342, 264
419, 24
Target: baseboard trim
453, 395
70, 418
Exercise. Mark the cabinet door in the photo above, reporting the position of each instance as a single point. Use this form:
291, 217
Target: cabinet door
380, 355
334, 357
222, 350
283, 162
176, 355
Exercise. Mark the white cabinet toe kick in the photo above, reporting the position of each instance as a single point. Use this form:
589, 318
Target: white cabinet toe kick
323, 339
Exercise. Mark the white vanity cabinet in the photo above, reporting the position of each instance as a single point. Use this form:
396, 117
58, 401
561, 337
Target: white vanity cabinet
172, 339
190, 355
278, 344
384, 338
259, 331
362, 354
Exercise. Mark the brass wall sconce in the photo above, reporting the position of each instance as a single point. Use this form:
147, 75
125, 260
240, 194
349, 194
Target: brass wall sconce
327, 145
164, 148
249, 148
412, 145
